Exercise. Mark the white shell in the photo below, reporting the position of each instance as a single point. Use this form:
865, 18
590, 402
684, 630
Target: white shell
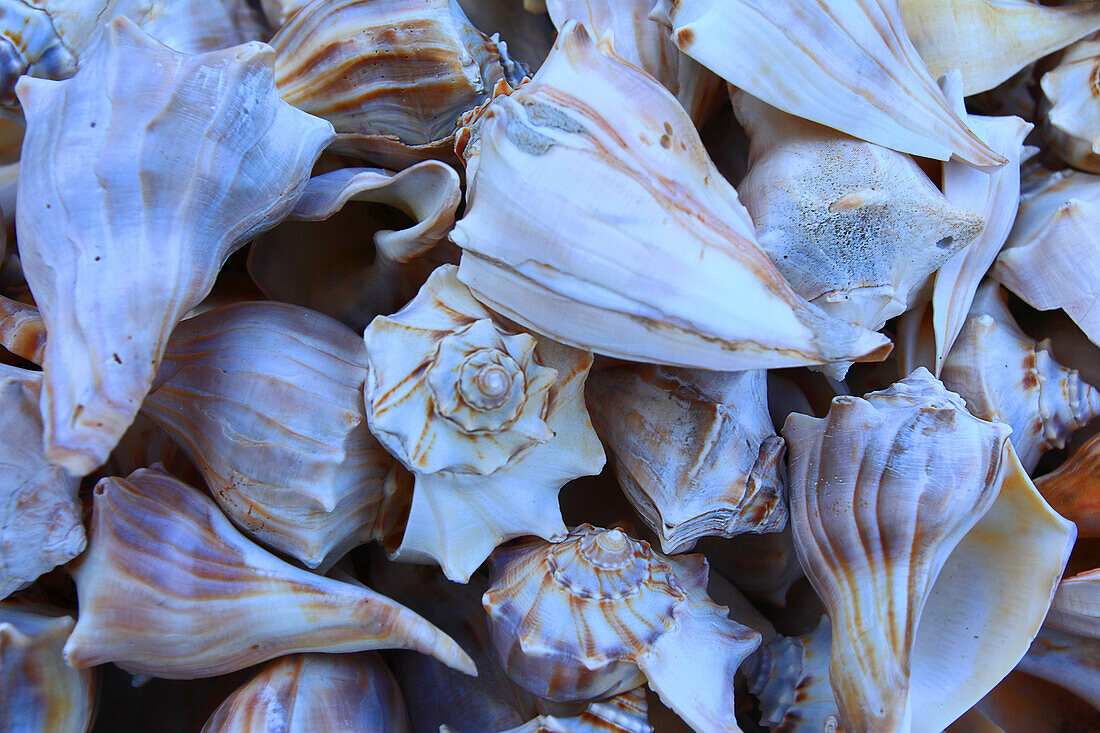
490, 421
39, 693
1072, 122
564, 260
1076, 606
695, 451
856, 228
40, 525
918, 528
1067, 660
315, 693
627, 712
990, 40
1005, 376
1052, 257
599, 613
266, 400
846, 64
157, 206
170, 588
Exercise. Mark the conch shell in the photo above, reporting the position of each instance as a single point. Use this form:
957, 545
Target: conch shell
39, 693
856, 228
990, 40
695, 452
315, 693
790, 676
915, 522
1076, 606
147, 197
266, 399
1073, 489
627, 712
599, 613
565, 260
1052, 257
40, 526
648, 45
1005, 376
170, 589
490, 421
847, 64
392, 76
1072, 123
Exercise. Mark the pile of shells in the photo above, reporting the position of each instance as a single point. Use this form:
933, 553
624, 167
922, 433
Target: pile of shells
578, 366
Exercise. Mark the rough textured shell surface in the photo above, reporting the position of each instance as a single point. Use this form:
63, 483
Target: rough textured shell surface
598, 613
163, 178
565, 261
163, 562
490, 421
695, 451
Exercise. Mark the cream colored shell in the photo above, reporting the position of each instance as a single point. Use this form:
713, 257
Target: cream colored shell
1071, 91
1076, 606
627, 712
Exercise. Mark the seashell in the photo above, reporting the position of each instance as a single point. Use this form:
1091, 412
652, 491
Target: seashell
599, 613
145, 444
151, 203
990, 40
490, 421
790, 676
278, 12
627, 712
30, 44
1005, 376
162, 562
856, 228
1072, 122
996, 194
198, 26
266, 399
847, 64
41, 525
695, 452
392, 77
22, 331
1073, 489
1067, 660
338, 276
763, 566
529, 35
1076, 606
1024, 703
918, 528
39, 693
646, 44
562, 260
315, 693
1050, 258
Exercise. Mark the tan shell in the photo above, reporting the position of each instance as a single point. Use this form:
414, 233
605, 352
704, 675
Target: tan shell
392, 76
564, 260
490, 420
1076, 606
913, 521
1073, 489
41, 526
1005, 376
315, 693
695, 451
1072, 124
170, 589
266, 400
847, 64
598, 613
153, 209
39, 693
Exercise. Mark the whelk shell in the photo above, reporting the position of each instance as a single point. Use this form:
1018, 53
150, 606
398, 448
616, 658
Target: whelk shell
1076, 606
1073, 489
1067, 660
1072, 124
162, 562
158, 206
627, 712
564, 261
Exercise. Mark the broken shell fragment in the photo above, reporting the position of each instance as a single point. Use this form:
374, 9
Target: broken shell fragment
695, 452
157, 206
392, 76
1072, 122
266, 400
39, 693
40, 524
847, 64
490, 421
162, 562
1005, 376
315, 693
599, 613
914, 521
637, 257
